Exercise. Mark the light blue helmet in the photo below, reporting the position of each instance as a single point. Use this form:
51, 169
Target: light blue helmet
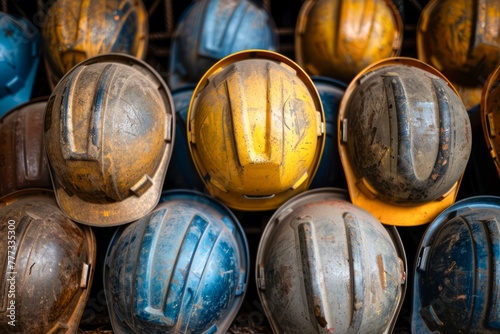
209, 30
182, 174
181, 269
19, 58
330, 172
457, 273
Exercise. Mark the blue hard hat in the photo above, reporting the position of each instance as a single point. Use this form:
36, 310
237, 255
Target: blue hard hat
330, 172
182, 173
209, 30
456, 282
182, 268
19, 58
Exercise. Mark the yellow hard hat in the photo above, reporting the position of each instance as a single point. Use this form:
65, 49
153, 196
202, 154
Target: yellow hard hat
460, 38
76, 30
404, 141
256, 130
338, 38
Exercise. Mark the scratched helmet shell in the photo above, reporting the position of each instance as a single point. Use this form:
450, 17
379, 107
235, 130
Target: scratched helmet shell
325, 265
52, 260
19, 57
256, 130
405, 141
109, 131
181, 269
76, 30
456, 281
210, 30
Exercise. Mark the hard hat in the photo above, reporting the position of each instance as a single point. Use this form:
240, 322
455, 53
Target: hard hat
109, 131
256, 130
210, 30
23, 163
325, 265
456, 273
490, 115
75, 31
182, 173
181, 269
330, 173
338, 38
48, 264
460, 38
20, 55
405, 141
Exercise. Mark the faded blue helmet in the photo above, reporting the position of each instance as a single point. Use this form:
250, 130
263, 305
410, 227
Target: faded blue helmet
330, 172
456, 283
19, 58
181, 269
182, 173
209, 30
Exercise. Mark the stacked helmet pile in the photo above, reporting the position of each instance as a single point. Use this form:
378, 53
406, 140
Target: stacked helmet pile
332, 152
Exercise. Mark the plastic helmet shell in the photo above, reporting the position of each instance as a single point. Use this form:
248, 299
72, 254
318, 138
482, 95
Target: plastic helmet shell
109, 131
405, 143
460, 38
210, 30
490, 115
338, 38
325, 265
329, 173
256, 130
20, 54
52, 262
456, 282
181, 269
76, 30
23, 163
182, 173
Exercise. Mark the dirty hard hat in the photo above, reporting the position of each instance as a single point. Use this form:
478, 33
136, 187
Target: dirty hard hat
338, 38
256, 130
48, 264
109, 130
23, 163
325, 265
76, 30
405, 141
181, 269
210, 30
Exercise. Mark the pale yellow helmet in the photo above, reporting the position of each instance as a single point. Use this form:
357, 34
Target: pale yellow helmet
338, 38
256, 130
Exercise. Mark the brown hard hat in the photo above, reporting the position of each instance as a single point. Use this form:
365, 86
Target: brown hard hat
48, 263
109, 132
23, 163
